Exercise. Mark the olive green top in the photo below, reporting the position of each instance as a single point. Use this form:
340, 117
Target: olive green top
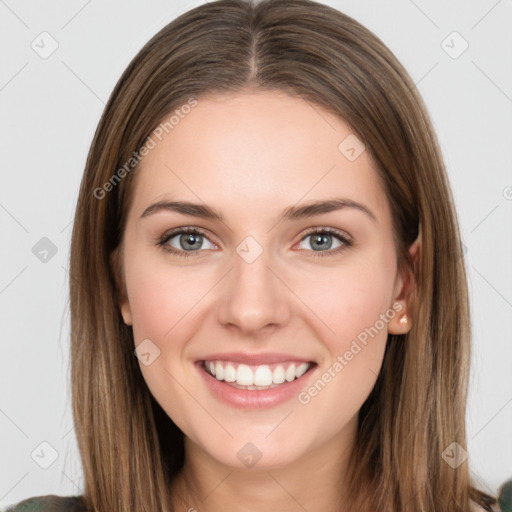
54, 503
49, 503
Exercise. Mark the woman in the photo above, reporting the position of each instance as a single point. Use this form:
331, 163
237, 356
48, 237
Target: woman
269, 308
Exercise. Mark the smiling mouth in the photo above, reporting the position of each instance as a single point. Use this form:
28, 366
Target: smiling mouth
256, 377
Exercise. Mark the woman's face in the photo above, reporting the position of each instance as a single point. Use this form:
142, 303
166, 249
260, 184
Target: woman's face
265, 292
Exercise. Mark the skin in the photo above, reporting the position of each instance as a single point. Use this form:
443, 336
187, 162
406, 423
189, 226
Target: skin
250, 156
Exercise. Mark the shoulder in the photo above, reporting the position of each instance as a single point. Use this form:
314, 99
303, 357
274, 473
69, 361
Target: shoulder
49, 503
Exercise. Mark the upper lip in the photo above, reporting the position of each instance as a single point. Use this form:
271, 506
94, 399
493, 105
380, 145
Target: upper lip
254, 359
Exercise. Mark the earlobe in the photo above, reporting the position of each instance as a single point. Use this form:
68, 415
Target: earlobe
126, 312
401, 323
124, 304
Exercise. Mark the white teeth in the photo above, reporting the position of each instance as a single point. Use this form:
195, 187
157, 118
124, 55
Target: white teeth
229, 373
259, 377
290, 373
301, 370
219, 371
262, 376
244, 375
279, 376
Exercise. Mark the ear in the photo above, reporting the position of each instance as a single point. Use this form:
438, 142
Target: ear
405, 283
121, 293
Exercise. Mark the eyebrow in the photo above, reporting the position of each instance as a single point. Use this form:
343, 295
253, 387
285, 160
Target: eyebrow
291, 213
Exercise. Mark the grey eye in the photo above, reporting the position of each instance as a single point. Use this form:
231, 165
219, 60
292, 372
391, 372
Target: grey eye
321, 241
188, 241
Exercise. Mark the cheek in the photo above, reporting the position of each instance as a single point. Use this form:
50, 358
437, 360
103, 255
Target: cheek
354, 302
164, 302
349, 299
355, 351
163, 299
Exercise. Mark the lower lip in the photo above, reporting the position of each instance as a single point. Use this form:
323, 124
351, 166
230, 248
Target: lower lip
254, 399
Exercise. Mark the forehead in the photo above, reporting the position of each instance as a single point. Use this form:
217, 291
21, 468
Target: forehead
257, 150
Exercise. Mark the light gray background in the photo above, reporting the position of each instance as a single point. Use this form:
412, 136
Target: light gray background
49, 111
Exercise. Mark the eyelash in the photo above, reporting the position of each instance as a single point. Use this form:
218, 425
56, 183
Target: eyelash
346, 243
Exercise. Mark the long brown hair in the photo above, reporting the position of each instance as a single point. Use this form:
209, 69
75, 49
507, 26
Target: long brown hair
130, 449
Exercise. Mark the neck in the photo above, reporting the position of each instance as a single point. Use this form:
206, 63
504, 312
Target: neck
315, 481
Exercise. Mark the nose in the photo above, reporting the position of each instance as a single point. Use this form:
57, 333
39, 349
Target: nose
253, 297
